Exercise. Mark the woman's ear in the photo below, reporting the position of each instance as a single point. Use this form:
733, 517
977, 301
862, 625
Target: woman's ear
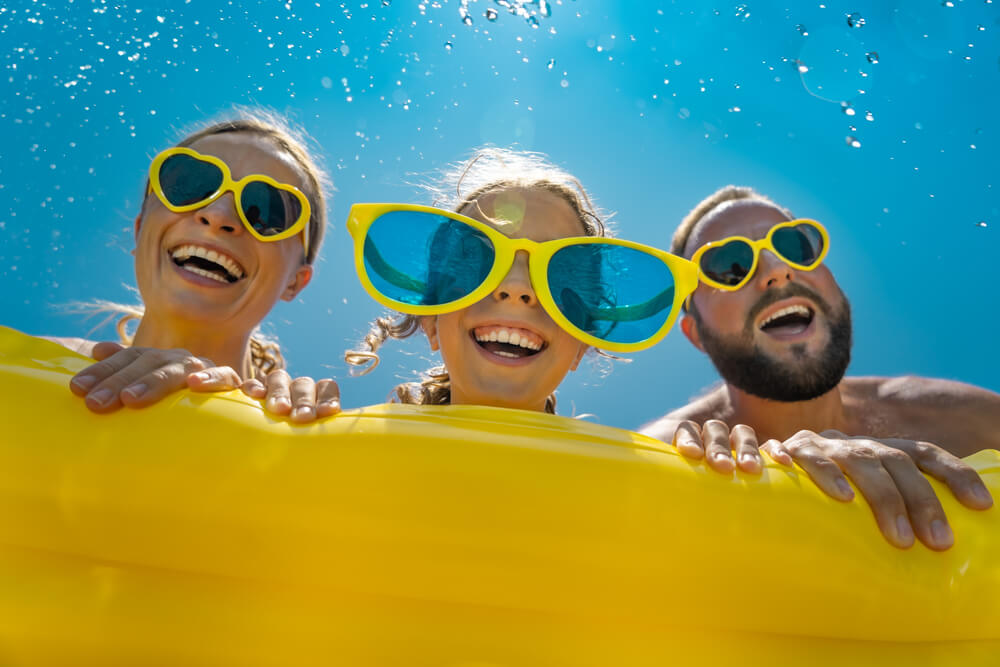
429, 324
300, 279
690, 329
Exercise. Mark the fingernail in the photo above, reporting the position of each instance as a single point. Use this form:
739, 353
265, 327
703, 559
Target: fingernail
982, 494
299, 412
100, 396
200, 376
84, 381
941, 533
844, 488
903, 529
136, 390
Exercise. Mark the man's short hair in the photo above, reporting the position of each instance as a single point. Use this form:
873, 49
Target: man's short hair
709, 204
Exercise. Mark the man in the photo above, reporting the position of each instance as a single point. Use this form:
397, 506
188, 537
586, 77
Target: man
778, 330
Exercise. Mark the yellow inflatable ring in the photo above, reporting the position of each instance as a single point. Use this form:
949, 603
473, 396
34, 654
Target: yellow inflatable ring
201, 531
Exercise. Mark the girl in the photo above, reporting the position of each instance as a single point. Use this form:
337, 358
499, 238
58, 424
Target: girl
507, 290
232, 221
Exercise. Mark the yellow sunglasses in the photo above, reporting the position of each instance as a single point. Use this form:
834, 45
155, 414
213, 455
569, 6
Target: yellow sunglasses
729, 264
185, 180
609, 293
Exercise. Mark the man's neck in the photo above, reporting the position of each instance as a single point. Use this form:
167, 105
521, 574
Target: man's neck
221, 347
780, 419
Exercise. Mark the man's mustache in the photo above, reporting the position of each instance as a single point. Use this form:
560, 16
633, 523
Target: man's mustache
786, 292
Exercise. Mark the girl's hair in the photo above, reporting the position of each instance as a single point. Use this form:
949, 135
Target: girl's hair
489, 170
265, 353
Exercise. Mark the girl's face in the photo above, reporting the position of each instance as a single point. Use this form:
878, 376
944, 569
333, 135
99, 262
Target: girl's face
203, 267
505, 350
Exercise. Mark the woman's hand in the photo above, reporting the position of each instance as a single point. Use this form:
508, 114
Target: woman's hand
138, 376
302, 399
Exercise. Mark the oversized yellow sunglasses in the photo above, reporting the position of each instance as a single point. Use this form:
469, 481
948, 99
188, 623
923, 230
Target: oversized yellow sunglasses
184, 180
613, 294
729, 263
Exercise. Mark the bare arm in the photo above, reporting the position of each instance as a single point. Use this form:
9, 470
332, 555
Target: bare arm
80, 345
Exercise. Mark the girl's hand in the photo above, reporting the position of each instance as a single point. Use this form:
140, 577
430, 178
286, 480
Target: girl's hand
887, 472
716, 443
301, 399
136, 376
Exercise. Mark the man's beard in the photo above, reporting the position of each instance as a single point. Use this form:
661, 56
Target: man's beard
744, 365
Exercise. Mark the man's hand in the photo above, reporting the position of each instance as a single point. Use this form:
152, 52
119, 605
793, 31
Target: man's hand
888, 474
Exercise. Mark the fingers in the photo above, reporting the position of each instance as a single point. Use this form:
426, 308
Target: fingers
922, 505
883, 495
687, 440
821, 468
133, 377
943, 466
743, 440
279, 394
102, 351
718, 452
327, 398
217, 378
776, 450
303, 396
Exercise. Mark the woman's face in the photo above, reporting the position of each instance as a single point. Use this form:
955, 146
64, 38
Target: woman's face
537, 354
203, 267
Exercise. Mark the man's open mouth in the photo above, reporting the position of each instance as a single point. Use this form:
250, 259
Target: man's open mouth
207, 263
510, 342
788, 321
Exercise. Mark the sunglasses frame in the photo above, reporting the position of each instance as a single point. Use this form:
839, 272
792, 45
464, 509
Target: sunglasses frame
765, 243
362, 216
236, 187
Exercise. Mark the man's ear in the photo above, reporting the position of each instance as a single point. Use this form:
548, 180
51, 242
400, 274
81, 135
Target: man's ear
429, 324
579, 356
302, 276
690, 329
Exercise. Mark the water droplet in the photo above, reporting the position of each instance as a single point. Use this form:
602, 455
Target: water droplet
981, 223
869, 116
742, 12
447, 46
463, 12
683, 114
872, 57
980, 27
853, 142
491, 14
847, 108
802, 30
801, 66
533, 21
344, 49
551, 63
855, 20
386, 3
326, 82
564, 83
947, 3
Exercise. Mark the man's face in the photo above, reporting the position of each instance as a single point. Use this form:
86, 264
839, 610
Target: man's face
786, 334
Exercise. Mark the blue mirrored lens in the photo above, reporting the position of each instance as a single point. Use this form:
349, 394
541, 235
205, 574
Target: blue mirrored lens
425, 259
270, 210
612, 292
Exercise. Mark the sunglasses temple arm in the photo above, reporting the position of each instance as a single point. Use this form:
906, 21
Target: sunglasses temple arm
663, 300
391, 275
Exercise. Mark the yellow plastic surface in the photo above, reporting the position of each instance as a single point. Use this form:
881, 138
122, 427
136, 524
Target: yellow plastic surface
202, 531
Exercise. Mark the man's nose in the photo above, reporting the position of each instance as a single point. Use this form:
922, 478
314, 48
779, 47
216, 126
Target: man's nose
772, 271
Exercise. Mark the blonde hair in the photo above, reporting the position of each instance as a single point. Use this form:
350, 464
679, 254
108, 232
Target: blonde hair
265, 352
489, 170
682, 234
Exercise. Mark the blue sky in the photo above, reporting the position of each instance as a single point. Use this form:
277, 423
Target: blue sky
653, 105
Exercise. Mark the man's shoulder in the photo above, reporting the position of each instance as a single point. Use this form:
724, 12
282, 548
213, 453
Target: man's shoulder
913, 390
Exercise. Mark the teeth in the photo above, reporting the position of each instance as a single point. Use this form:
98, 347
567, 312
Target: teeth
228, 263
207, 274
503, 335
790, 310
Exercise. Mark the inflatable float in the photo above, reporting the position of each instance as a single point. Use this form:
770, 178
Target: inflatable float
204, 532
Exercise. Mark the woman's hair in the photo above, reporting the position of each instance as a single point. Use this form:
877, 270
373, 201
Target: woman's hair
265, 353
488, 171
